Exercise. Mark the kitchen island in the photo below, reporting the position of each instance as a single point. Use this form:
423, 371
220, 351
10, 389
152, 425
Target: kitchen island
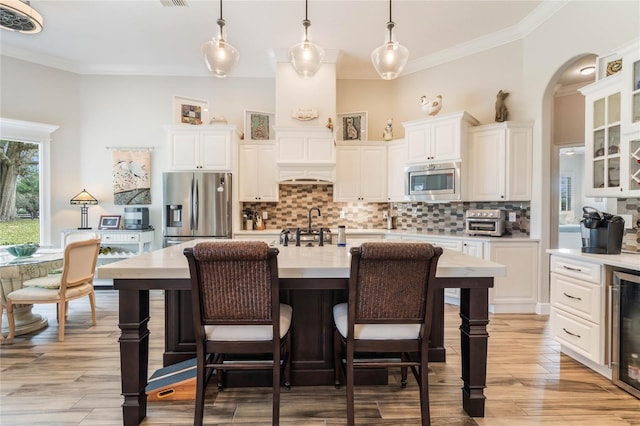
312, 280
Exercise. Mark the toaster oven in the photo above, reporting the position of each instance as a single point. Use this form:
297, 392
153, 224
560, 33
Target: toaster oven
485, 222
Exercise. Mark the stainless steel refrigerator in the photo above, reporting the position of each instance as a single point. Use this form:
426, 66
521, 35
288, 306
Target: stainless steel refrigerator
195, 205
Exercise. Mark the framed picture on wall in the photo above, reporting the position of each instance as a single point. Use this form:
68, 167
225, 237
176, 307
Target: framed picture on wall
258, 126
190, 111
352, 126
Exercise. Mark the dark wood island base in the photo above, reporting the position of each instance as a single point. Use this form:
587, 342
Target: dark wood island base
312, 364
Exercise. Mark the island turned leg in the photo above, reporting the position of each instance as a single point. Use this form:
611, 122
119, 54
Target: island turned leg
474, 311
134, 353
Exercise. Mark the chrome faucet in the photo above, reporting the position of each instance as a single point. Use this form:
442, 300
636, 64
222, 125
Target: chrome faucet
309, 224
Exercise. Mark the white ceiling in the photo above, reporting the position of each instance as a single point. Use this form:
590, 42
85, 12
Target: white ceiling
143, 37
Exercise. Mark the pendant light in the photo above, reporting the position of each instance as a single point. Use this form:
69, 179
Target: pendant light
219, 55
390, 58
306, 57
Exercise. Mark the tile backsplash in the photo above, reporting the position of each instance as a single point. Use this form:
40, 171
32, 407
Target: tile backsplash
446, 218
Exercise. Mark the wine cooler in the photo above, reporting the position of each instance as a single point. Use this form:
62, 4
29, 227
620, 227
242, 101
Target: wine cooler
625, 337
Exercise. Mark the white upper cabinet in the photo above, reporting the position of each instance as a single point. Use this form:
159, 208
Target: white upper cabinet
305, 153
499, 162
396, 159
257, 172
440, 138
312, 145
612, 126
361, 173
203, 148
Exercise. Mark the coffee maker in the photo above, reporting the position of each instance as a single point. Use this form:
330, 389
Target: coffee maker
601, 232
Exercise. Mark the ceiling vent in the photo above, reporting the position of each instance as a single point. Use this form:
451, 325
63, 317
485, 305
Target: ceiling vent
19, 16
174, 3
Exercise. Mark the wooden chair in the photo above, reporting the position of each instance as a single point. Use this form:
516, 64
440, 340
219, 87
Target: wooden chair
75, 281
236, 307
388, 312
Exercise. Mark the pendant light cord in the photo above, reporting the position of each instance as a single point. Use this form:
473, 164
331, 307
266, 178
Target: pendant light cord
390, 24
220, 21
306, 23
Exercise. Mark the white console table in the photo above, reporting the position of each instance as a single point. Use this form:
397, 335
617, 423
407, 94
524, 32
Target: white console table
123, 243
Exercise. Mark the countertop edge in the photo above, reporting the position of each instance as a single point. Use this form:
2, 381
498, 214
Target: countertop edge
622, 260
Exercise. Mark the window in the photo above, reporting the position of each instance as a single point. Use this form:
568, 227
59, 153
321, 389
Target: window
566, 194
37, 133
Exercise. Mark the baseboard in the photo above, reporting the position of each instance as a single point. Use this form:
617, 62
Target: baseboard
543, 308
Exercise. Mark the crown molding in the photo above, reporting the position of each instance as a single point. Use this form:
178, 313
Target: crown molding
499, 38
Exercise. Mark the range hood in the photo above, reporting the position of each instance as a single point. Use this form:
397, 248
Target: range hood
305, 152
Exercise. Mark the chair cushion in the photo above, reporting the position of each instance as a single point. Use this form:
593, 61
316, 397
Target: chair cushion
34, 294
50, 281
250, 332
373, 331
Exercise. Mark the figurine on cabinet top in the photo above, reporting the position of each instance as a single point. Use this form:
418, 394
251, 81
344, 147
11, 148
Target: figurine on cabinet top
501, 109
387, 134
431, 107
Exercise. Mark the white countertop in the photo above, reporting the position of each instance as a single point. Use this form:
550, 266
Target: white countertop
402, 233
329, 261
622, 260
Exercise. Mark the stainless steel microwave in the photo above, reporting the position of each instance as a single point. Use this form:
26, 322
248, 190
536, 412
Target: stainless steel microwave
432, 182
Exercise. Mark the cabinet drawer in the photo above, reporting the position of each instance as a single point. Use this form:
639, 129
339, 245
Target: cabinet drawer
577, 269
577, 334
578, 297
121, 238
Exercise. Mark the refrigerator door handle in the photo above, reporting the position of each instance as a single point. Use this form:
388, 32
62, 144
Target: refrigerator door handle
191, 206
196, 206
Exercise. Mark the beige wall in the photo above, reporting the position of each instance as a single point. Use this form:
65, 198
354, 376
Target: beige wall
568, 119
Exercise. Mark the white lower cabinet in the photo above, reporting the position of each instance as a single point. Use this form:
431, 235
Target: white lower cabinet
578, 298
517, 292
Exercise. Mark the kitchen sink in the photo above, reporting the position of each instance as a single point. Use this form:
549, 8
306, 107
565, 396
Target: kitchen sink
308, 237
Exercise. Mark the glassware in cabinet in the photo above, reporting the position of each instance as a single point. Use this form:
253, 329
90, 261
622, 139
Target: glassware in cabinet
634, 165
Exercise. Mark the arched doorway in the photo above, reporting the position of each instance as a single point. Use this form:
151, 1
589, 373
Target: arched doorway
567, 152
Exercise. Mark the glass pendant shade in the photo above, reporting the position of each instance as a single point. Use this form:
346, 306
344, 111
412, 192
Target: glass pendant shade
390, 58
306, 58
219, 55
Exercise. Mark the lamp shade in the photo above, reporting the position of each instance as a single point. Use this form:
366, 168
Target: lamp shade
84, 198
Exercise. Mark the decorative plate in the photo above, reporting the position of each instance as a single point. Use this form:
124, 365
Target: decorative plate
614, 66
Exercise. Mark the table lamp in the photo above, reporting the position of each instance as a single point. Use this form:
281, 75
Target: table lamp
84, 199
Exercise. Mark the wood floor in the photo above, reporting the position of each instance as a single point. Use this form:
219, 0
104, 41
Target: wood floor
77, 382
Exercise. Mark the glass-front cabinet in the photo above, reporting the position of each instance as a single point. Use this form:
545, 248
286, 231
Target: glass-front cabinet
612, 126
